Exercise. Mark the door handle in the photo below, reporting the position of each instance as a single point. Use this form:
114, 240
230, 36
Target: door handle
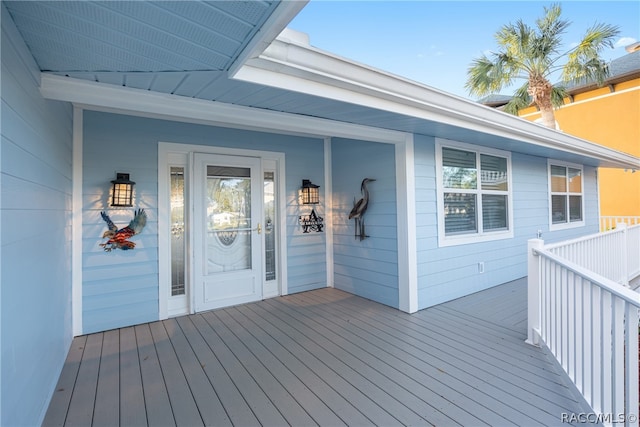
259, 228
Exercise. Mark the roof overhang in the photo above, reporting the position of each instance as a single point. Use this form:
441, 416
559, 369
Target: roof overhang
274, 25
313, 71
109, 98
620, 78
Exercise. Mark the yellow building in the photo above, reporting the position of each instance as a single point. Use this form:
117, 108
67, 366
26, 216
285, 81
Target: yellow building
610, 116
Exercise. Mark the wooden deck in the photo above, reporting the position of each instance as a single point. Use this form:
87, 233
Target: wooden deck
322, 357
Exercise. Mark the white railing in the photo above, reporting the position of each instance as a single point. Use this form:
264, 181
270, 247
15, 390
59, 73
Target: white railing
610, 222
590, 324
633, 252
609, 254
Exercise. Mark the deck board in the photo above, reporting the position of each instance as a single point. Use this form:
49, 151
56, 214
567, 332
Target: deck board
294, 357
319, 358
151, 381
207, 401
304, 349
237, 410
132, 403
59, 405
281, 399
107, 407
82, 403
310, 402
362, 394
387, 370
382, 405
183, 405
256, 398
456, 381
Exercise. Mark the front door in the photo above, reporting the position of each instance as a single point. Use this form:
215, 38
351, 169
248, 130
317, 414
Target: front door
227, 230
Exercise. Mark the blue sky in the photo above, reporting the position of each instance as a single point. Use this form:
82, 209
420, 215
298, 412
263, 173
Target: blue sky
434, 42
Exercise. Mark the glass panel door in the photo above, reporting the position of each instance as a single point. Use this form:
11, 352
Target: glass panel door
228, 230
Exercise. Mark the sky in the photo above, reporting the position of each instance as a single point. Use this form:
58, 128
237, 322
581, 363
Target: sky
434, 42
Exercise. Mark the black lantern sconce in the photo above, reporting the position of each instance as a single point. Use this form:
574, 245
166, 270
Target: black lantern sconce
310, 193
122, 190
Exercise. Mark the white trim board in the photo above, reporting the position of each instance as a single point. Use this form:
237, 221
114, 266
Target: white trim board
407, 227
76, 229
328, 216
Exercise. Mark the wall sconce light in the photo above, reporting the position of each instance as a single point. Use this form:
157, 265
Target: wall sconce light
122, 190
310, 193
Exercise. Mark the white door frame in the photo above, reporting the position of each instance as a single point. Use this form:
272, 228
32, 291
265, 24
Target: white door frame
167, 152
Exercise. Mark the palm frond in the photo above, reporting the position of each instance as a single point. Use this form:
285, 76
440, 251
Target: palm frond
485, 76
558, 94
520, 100
584, 63
551, 27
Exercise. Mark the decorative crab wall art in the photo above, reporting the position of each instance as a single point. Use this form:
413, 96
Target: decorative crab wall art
119, 239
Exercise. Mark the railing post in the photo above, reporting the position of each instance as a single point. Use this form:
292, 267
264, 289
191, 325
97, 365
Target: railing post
533, 293
631, 363
622, 226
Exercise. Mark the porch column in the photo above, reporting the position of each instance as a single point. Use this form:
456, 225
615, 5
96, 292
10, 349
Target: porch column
76, 218
533, 294
406, 213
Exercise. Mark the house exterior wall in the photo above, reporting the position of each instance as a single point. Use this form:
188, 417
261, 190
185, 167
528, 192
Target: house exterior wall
446, 273
120, 288
35, 212
368, 268
611, 119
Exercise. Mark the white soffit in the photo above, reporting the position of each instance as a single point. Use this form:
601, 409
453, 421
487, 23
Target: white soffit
109, 98
313, 71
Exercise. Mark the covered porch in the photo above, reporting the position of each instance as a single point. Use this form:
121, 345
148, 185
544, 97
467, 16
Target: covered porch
322, 357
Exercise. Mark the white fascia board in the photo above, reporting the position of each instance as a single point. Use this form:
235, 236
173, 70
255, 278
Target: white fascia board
316, 72
110, 98
272, 27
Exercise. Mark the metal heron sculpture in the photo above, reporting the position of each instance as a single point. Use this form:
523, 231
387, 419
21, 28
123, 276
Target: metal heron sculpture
359, 209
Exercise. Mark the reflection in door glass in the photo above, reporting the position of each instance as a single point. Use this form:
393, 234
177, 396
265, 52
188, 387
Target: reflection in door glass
228, 212
269, 226
177, 231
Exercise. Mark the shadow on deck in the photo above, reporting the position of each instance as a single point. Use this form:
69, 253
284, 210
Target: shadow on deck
322, 357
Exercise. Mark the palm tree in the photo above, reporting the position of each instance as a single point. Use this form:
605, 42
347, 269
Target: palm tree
534, 54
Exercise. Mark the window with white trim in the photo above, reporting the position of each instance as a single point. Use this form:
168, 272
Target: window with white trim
474, 193
566, 204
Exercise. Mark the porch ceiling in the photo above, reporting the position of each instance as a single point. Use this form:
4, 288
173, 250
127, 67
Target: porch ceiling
138, 36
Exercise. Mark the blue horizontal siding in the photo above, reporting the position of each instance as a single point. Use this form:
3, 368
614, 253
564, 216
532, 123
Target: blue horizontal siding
35, 218
367, 268
123, 313
117, 143
106, 286
446, 273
